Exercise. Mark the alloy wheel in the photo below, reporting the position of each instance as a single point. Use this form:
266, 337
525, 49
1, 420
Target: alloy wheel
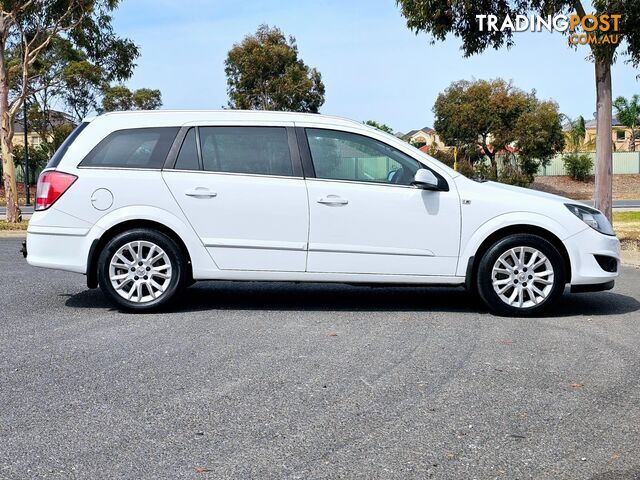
140, 271
522, 277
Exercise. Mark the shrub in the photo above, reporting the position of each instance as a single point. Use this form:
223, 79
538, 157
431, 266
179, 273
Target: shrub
445, 156
513, 176
578, 166
483, 170
466, 168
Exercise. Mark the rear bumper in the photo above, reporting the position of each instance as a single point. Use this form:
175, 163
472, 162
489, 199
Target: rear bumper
60, 251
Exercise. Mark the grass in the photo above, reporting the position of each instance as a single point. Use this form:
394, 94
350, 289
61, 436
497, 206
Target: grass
5, 226
627, 226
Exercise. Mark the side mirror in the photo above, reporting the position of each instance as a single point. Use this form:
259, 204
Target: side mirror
425, 179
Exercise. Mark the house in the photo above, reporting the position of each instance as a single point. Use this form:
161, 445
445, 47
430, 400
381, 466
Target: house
620, 135
56, 119
424, 136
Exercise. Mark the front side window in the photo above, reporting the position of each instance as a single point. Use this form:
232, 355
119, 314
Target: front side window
132, 148
348, 156
251, 150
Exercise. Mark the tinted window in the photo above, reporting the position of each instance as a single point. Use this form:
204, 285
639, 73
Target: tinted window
133, 148
54, 161
347, 156
188, 156
258, 150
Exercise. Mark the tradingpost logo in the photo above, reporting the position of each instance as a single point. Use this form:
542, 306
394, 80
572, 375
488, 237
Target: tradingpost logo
587, 30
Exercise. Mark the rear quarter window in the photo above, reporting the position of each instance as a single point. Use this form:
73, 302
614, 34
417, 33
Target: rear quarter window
55, 160
132, 148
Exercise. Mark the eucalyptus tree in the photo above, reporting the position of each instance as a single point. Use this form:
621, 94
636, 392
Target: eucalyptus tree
441, 18
28, 29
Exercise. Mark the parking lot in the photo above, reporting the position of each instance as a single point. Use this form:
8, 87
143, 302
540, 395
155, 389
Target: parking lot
275, 380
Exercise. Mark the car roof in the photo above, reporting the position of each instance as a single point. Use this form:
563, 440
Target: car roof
180, 117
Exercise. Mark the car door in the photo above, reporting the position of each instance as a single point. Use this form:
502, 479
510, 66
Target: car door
242, 190
366, 218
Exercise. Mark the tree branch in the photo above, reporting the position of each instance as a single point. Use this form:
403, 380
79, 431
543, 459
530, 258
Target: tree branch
577, 4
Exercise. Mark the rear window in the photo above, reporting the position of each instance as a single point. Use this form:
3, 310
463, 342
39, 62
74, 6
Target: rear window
133, 148
54, 161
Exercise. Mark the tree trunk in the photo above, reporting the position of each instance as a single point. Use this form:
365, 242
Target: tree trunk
604, 142
6, 148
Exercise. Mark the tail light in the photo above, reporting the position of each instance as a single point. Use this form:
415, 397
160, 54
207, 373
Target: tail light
51, 186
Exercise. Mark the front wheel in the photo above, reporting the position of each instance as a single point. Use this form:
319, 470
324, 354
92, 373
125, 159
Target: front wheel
521, 275
141, 269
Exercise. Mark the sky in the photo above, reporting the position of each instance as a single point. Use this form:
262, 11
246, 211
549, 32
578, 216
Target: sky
372, 65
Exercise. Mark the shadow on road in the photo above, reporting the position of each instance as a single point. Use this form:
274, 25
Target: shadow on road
338, 297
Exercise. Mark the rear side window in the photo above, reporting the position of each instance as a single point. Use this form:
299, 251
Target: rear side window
132, 148
54, 161
253, 150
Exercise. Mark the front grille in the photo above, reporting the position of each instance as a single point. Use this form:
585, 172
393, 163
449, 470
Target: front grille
608, 264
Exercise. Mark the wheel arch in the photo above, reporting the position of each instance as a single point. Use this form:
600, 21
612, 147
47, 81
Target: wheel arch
474, 260
99, 243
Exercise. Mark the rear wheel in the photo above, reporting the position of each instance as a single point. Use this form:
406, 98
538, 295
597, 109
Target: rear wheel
141, 269
521, 275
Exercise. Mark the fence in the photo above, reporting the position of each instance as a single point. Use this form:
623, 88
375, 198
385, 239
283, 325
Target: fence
623, 162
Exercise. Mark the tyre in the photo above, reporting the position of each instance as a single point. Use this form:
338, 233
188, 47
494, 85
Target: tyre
141, 269
521, 275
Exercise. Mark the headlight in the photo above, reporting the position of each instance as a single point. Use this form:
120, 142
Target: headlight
592, 217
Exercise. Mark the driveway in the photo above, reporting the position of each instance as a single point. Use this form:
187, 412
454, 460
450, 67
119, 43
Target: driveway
275, 380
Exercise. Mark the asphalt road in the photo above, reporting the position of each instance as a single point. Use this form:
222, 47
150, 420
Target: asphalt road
313, 381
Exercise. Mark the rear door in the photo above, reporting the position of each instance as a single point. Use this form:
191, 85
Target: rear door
242, 190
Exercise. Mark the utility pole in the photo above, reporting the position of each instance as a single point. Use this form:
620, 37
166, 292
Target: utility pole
26, 157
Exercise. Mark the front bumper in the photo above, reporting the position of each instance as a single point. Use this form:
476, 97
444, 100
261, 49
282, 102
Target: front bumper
598, 287
586, 273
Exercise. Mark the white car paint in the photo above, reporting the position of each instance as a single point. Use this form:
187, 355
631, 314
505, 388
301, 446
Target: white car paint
260, 227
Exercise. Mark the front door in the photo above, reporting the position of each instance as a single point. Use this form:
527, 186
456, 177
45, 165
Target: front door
244, 196
366, 218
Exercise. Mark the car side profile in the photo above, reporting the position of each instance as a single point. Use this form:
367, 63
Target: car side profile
145, 203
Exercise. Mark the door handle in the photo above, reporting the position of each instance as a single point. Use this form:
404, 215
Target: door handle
200, 192
333, 200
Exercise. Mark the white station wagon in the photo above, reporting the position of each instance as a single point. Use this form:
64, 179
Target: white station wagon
146, 203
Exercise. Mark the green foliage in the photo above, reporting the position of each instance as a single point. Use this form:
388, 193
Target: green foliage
471, 110
514, 176
147, 99
444, 18
489, 116
466, 168
38, 158
538, 136
441, 18
78, 55
578, 166
380, 126
120, 98
265, 73
575, 136
628, 113
445, 156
